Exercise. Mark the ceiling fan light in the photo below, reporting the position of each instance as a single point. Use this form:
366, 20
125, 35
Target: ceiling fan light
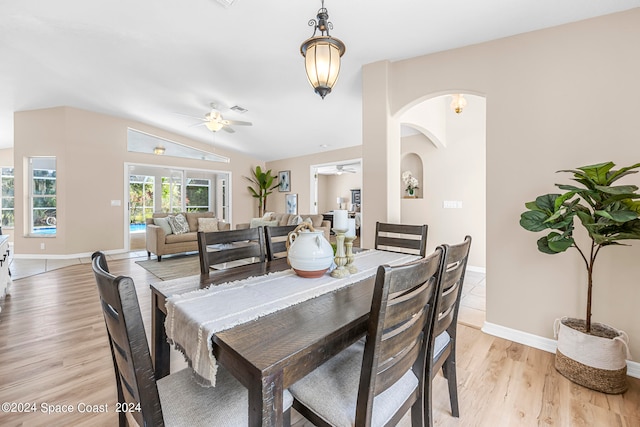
213, 125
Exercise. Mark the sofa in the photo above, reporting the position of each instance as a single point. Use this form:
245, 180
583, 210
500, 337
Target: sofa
161, 240
277, 219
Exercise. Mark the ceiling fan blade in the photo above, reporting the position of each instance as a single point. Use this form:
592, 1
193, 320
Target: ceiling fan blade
238, 122
198, 124
228, 129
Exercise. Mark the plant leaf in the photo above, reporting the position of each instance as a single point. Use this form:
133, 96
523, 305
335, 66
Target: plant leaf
534, 220
615, 175
598, 173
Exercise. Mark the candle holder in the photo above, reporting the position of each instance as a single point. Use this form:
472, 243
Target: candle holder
348, 243
340, 258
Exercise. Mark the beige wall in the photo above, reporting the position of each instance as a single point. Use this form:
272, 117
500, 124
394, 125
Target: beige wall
300, 168
91, 151
554, 101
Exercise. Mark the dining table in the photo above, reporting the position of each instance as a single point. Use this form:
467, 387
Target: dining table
271, 352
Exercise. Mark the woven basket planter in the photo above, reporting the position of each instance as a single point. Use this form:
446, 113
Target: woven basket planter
596, 361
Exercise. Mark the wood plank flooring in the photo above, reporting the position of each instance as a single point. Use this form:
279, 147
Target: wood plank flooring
54, 351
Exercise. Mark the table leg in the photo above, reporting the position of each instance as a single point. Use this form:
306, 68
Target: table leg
161, 351
265, 402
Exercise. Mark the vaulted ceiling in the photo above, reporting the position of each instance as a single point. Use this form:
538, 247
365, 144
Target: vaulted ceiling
160, 61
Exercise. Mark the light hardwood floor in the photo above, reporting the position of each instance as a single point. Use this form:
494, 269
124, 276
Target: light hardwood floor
54, 351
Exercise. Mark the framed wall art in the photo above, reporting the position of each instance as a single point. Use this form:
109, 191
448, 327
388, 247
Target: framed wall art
291, 201
284, 181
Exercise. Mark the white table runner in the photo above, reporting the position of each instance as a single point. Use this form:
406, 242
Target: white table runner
193, 317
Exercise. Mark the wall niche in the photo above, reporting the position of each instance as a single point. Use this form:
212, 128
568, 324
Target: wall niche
411, 162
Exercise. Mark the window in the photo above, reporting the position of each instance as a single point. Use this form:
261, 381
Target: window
7, 198
172, 193
42, 195
198, 191
141, 198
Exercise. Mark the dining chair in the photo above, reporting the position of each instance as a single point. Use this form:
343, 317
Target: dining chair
276, 240
401, 238
375, 382
176, 399
219, 247
441, 349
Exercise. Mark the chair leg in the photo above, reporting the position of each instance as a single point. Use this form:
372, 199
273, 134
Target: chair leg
286, 418
449, 371
148, 254
159, 258
428, 397
417, 413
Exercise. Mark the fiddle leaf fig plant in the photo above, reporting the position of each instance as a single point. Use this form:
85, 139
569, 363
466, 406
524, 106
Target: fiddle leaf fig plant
609, 213
263, 182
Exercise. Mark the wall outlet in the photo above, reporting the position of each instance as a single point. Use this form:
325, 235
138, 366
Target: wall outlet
116, 203
42, 246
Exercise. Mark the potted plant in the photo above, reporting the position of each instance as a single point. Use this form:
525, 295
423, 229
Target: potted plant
410, 182
263, 182
590, 354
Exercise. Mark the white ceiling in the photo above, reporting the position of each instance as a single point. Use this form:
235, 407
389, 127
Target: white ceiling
150, 60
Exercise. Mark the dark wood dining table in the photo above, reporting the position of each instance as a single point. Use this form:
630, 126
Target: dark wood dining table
269, 355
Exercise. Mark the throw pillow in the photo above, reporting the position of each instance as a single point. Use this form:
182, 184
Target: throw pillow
207, 224
178, 224
257, 222
164, 224
269, 216
295, 220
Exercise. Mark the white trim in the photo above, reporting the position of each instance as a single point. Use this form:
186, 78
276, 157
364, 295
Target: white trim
541, 343
482, 270
70, 256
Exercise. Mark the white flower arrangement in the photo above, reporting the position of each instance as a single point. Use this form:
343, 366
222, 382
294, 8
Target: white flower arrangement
410, 181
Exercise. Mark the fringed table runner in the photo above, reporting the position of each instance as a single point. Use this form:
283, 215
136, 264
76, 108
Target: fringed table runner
193, 317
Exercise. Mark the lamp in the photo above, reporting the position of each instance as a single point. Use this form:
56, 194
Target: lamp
340, 201
159, 150
322, 54
458, 103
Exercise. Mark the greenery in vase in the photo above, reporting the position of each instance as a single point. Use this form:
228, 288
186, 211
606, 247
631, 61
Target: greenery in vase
263, 182
609, 213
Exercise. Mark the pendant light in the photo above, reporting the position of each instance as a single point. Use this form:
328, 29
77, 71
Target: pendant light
322, 54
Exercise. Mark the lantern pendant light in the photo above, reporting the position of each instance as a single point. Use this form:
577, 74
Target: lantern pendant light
322, 54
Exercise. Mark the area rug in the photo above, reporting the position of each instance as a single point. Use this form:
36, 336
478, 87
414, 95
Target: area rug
172, 267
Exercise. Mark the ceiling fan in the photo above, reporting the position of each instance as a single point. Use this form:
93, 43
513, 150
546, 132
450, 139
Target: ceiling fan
214, 121
340, 169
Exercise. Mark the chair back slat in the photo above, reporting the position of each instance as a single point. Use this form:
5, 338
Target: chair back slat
401, 238
401, 317
232, 245
456, 257
128, 342
276, 240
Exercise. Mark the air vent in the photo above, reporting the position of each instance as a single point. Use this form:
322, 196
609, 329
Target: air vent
226, 3
239, 109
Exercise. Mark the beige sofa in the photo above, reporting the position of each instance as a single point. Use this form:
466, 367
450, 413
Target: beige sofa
319, 224
160, 243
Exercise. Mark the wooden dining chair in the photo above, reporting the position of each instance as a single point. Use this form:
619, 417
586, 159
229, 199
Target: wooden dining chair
276, 240
401, 238
441, 349
375, 382
219, 247
176, 399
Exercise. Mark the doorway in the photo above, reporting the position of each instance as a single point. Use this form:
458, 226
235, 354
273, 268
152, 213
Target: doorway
165, 189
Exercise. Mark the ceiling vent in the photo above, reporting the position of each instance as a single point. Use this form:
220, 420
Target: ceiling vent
226, 3
239, 109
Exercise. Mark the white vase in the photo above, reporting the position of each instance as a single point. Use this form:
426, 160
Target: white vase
310, 254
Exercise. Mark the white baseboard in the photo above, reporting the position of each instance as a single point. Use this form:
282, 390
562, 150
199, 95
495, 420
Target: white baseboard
482, 270
65, 256
541, 343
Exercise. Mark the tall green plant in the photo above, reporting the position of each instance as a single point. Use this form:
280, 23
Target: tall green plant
608, 213
263, 182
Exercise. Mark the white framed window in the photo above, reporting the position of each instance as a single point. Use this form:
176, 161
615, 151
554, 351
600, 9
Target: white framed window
7, 212
42, 196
